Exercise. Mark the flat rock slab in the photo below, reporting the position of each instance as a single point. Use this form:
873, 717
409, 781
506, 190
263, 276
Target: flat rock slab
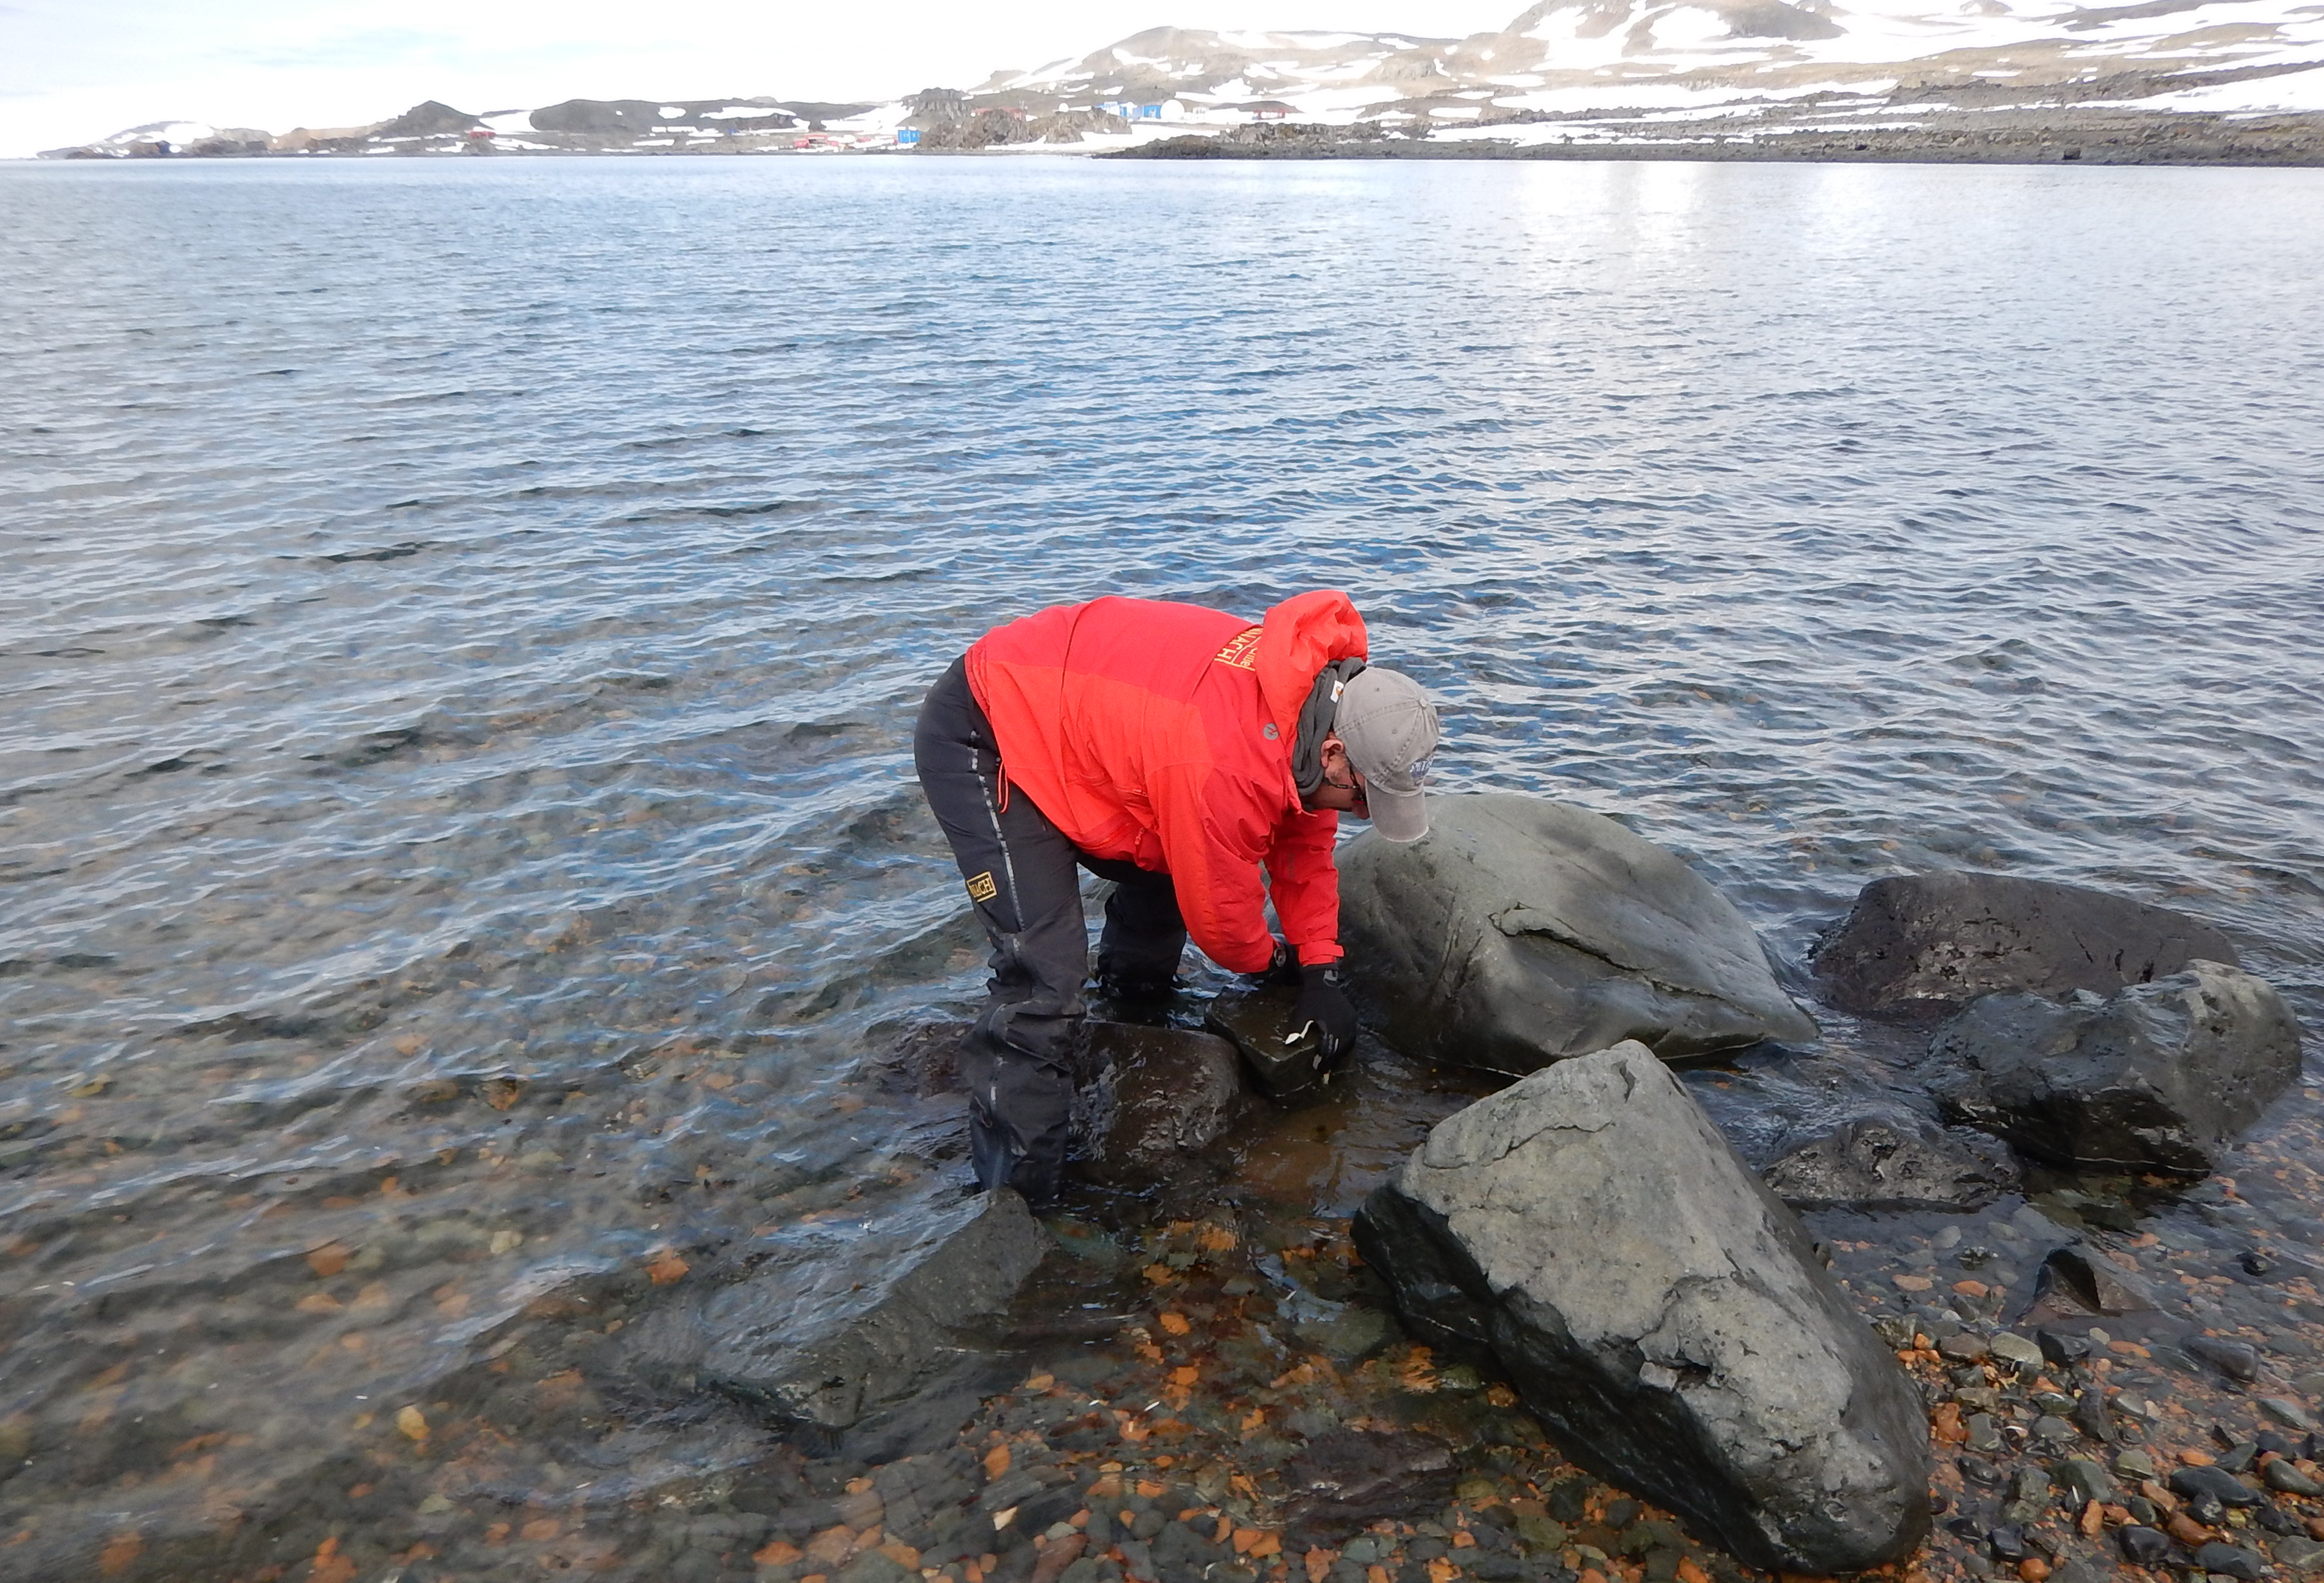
1151, 1100
1661, 1313
2161, 1076
1286, 1061
1520, 931
1917, 947
1871, 1165
1345, 1480
838, 1320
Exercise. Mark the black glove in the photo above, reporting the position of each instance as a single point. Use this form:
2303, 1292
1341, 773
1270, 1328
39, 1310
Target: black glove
1282, 968
1324, 1006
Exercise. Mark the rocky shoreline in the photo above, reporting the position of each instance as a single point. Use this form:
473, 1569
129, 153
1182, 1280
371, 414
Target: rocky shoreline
1643, 1316
1946, 136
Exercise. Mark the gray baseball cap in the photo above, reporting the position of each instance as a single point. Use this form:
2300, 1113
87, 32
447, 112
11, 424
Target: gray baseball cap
1388, 727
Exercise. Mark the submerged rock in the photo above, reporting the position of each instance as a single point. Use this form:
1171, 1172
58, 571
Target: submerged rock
1873, 1164
1147, 1099
2075, 1279
1288, 1063
1924, 945
1520, 931
1348, 1479
837, 1320
2161, 1077
1150, 1100
1660, 1311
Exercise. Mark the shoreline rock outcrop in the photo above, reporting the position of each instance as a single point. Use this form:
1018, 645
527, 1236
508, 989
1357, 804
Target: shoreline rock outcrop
2161, 1076
1660, 1312
1920, 946
1520, 931
1874, 1164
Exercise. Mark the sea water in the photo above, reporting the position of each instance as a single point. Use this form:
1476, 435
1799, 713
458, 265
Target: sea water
461, 622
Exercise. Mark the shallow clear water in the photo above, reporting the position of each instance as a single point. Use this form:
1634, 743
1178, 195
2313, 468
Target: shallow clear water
462, 622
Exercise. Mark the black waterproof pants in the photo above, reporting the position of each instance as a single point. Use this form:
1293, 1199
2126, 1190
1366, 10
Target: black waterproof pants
1020, 871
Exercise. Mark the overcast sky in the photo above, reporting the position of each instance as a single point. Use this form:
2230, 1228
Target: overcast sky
75, 69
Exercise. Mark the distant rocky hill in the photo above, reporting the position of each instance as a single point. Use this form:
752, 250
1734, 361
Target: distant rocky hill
2036, 79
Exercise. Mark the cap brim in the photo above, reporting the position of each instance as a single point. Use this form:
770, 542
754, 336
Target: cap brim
1397, 816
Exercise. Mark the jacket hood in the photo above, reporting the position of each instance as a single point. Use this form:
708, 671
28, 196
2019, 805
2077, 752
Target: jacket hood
1297, 639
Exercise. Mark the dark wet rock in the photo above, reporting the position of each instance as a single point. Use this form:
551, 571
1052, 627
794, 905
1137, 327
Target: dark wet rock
1348, 1479
924, 1061
1287, 1062
2281, 1475
2090, 1416
2287, 1413
1924, 945
2084, 1480
2232, 1560
2142, 1546
1874, 1164
2161, 1077
1967, 1347
2060, 1346
1520, 931
1660, 1312
835, 1320
2238, 1360
2009, 1347
2008, 1542
1152, 1099
2215, 1482
2298, 1553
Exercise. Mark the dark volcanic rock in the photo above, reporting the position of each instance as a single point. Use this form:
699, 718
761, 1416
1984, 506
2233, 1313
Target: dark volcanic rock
1152, 1099
839, 1319
1349, 1479
2077, 1279
2160, 1078
2238, 1360
428, 119
1660, 1311
1520, 931
600, 117
1288, 1063
1924, 945
2218, 1483
1876, 1165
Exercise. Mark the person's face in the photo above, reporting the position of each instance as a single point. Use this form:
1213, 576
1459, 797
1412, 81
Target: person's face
1342, 790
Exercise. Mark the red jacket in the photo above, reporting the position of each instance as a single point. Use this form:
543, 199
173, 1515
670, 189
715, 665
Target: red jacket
1162, 733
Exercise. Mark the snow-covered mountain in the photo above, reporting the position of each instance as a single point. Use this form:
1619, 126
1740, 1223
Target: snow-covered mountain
1629, 60
1569, 55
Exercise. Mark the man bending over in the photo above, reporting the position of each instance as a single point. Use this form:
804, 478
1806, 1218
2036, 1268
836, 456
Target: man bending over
1178, 751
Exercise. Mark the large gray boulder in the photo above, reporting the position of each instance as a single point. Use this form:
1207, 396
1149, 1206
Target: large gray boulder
838, 1319
1660, 1312
1922, 946
1520, 931
2161, 1076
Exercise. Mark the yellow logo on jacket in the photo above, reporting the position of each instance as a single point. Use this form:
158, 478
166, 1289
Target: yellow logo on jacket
980, 887
1242, 650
